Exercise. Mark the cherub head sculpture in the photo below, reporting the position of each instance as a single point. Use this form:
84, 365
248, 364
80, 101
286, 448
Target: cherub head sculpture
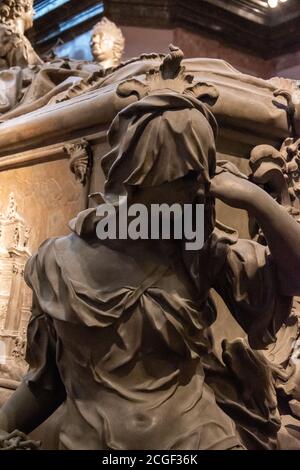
107, 43
14, 12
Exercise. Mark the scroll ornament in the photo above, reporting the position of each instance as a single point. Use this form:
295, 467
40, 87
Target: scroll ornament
80, 154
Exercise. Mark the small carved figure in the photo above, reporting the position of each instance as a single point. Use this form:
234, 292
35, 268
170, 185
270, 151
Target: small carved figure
26, 237
107, 43
12, 207
18, 351
16, 237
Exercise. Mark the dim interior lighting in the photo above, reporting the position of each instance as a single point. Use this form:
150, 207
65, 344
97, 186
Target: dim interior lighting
275, 3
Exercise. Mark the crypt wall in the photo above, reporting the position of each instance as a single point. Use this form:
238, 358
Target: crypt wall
47, 196
139, 40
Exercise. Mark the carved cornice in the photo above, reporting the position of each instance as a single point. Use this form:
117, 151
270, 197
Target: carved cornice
40, 135
60, 151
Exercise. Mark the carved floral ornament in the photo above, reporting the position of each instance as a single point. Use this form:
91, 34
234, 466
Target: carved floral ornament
170, 76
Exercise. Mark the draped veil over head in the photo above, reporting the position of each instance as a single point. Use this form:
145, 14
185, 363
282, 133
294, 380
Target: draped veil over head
166, 134
159, 139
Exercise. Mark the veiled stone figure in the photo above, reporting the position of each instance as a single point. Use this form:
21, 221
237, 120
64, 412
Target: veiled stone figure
120, 329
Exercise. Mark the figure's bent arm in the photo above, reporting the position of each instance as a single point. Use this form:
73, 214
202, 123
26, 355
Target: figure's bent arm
27, 409
282, 233
280, 229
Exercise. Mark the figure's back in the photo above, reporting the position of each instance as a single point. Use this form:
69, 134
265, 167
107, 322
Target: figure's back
128, 338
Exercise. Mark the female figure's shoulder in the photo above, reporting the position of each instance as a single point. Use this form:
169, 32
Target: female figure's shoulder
41, 262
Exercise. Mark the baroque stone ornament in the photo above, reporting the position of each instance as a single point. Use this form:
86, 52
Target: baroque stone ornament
107, 43
15, 298
290, 91
132, 318
170, 75
278, 173
80, 154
